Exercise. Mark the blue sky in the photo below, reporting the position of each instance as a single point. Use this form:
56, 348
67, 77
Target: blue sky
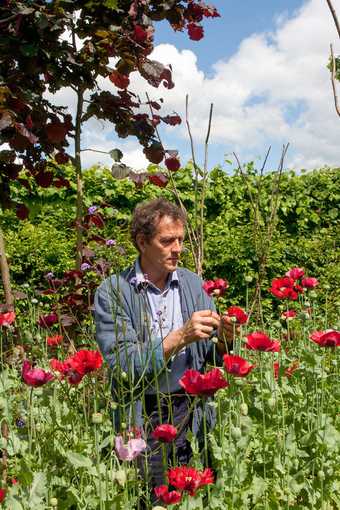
263, 65
223, 35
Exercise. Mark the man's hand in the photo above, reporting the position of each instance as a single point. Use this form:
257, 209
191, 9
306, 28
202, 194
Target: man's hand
198, 327
227, 329
226, 334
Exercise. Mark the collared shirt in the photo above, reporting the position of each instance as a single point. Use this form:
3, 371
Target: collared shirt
164, 309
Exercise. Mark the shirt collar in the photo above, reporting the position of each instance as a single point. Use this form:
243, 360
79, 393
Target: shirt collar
140, 279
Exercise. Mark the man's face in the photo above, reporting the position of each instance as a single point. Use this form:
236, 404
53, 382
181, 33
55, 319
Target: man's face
163, 251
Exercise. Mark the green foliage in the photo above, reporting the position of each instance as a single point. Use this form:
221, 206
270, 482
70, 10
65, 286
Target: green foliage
34, 250
275, 443
306, 233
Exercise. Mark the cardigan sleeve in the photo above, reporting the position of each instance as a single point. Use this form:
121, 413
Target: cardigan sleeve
195, 298
124, 348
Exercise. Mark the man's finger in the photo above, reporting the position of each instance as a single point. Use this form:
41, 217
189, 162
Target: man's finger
226, 319
208, 313
210, 321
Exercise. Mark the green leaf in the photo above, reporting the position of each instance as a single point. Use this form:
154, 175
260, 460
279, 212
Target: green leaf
29, 50
258, 487
38, 489
78, 460
111, 4
12, 503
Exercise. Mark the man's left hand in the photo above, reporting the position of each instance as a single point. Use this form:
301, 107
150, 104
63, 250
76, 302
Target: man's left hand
227, 330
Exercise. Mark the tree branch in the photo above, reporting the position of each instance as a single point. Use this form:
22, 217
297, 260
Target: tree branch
335, 18
333, 78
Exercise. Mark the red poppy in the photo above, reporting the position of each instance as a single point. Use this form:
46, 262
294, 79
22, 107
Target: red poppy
7, 318
2, 494
168, 498
215, 287
237, 365
165, 433
296, 273
238, 313
78, 365
46, 321
65, 369
207, 384
329, 338
285, 288
309, 282
52, 341
189, 479
288, 372
195, 32
289, 314
34, 376
85, 361
259, 341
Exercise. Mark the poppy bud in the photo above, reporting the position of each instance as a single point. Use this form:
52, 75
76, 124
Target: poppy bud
321, 475
272, 403
97, 418
244, 409
235, 433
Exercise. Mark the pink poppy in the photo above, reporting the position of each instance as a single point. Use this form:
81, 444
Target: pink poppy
7, 318
296, 273
131, 449
34, 376
309, 282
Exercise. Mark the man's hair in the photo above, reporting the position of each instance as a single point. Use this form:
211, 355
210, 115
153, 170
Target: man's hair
147, 215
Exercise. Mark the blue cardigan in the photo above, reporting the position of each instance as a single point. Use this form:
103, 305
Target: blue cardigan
124, 338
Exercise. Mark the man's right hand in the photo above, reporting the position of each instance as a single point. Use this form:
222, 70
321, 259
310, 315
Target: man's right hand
200, 326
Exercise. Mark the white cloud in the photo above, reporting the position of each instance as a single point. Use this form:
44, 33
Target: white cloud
256, 92
275, 88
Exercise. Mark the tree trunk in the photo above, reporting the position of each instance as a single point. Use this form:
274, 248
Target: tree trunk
77, 160
9, 298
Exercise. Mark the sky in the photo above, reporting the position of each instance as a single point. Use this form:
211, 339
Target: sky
263, 66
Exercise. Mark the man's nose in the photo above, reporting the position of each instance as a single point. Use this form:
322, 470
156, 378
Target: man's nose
177, 246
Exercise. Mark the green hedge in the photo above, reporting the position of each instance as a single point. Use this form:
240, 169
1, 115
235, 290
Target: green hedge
306, 233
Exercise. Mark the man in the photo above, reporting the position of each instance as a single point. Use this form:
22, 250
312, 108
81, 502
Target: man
153, 322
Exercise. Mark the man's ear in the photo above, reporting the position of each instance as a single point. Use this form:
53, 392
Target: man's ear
140, 240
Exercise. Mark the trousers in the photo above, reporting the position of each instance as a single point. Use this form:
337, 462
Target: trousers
176, 410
